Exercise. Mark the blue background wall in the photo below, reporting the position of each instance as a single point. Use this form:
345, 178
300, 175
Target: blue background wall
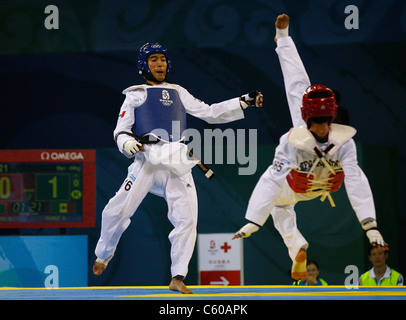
62, 89
38, 261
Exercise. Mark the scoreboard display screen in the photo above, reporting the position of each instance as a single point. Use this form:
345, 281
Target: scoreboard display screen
47, 188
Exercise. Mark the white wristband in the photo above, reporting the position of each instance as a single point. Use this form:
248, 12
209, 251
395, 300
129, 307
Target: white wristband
281, 33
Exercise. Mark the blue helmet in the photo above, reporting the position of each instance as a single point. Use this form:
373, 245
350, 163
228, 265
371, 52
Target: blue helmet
145, 51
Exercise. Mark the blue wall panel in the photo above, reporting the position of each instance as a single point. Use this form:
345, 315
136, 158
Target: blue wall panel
28, 261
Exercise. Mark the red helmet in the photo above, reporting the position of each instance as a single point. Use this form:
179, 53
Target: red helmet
319, 101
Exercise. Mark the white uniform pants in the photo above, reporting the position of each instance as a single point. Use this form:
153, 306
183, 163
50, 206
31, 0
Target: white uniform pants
180, 194
284, 219
279, 201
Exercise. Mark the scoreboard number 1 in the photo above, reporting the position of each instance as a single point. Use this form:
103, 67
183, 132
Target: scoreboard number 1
54, 184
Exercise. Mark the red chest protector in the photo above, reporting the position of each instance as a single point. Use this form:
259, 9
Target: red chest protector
302, 182
305, 182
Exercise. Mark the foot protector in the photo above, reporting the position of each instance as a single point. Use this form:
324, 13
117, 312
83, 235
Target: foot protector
100, 265
299, 266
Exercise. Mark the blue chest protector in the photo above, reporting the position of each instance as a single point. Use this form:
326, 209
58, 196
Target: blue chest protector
162, 114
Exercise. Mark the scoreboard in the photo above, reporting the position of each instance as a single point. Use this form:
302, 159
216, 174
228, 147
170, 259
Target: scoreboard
47, 188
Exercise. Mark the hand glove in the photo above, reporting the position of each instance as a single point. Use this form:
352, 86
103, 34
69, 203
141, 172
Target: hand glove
254, 98
374, 236
246, 231
132, 147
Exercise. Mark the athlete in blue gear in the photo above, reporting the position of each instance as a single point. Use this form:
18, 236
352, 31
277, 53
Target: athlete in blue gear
152, 119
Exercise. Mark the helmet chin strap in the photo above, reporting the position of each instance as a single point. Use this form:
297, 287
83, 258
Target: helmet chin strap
149, 77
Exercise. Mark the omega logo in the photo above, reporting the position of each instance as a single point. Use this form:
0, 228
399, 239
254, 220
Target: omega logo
61, 156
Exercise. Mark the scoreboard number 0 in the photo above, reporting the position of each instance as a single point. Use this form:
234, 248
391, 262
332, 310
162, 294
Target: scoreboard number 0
5, 187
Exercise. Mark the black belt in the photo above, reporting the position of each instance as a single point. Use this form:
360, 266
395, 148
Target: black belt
147, 139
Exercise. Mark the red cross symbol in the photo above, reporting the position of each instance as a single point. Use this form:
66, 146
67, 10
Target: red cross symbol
225, 247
